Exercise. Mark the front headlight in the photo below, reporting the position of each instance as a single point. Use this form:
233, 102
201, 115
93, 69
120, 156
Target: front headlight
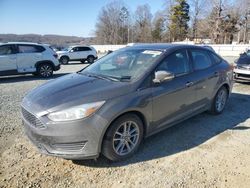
77, 112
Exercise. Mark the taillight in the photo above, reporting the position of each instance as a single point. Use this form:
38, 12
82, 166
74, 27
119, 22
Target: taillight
55, 55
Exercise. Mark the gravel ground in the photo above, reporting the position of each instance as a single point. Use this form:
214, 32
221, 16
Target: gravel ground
204, 151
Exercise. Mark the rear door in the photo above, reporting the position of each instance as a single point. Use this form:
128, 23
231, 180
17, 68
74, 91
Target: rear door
8, 58
27, 56
173, 100
85, 51
207, 76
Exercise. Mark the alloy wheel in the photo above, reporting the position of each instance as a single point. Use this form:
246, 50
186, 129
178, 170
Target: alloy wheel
221, 99
126, 138
46, 71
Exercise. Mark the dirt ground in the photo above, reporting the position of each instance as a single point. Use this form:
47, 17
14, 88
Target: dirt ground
204, 151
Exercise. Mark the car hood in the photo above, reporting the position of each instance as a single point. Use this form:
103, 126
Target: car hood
71, 90
61, 52
247, 66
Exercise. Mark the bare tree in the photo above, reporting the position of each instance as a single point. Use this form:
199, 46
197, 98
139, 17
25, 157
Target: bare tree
243, 9
198, 10
143, 27
111, 24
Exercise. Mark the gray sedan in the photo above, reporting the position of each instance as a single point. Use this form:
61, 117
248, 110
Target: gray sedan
128, 95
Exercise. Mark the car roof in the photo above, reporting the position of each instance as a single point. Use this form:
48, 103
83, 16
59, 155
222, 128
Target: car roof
79, 46
162, 46
29, 43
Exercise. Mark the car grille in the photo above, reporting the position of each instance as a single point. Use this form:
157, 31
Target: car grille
69, 146
33, 120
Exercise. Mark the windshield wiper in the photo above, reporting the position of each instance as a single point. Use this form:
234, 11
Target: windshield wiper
119, 78
107, 77
99, 76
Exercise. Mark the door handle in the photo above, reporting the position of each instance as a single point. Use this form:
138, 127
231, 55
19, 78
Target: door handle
216, 74
188, 84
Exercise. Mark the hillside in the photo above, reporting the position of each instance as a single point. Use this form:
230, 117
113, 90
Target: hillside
55, 40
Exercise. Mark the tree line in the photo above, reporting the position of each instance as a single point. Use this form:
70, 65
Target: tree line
217, 21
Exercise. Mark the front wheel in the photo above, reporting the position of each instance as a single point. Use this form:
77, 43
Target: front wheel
219, 101
123, 137
45, 70
64, 60
90, 59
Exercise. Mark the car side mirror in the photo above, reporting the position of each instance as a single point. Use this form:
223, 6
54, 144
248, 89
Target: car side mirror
162, 76
71, 50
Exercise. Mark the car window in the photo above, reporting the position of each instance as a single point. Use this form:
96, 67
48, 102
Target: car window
30, 49
216, 59
176, 63
84, 49
76, 49
6, 50
201, 59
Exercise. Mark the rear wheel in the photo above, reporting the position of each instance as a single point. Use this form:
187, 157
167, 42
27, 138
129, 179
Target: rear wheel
123, 137
90, 59
83, 60
45, 70
64, 60
219, 101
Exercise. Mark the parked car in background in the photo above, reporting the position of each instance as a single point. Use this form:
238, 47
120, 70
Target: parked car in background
242, 68
77, 53
245, 53
23, 58
130, 94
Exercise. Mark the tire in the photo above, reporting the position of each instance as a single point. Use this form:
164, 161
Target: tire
64, 60
45, 70
91, 59
118, 146
219, 101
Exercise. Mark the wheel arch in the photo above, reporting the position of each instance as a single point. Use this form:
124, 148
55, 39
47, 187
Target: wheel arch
135, 112
227, 87
43, 62
91, 55
64, 56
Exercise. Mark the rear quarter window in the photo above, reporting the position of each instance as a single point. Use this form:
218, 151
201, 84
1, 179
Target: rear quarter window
30, 49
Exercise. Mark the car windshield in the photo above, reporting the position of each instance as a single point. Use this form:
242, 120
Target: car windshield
244, 61
66, 49
123, 65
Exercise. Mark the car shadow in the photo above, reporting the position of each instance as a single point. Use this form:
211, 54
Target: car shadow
27, 77
186, 135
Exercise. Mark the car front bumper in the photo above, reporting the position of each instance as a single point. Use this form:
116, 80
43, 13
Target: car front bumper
72, 140
242, 74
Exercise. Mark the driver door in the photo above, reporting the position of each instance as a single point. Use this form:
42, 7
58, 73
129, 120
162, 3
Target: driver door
173, 99
74, 53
